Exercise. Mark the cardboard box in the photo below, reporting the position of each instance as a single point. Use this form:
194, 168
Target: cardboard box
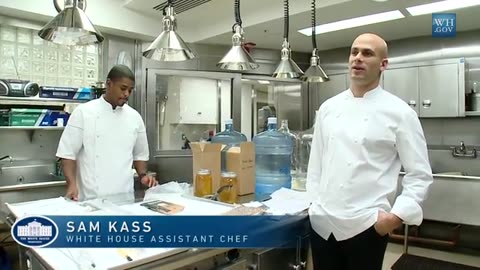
29, 117
240, 160
36, 117
207, 156
82, 93
4, 117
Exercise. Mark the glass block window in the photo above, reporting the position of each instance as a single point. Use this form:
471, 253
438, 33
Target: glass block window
44, 62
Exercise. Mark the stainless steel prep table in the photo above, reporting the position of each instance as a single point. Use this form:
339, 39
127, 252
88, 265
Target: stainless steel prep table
181, 258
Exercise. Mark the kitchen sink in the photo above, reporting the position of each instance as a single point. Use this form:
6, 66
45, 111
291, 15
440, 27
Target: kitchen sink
30, 180
27, 174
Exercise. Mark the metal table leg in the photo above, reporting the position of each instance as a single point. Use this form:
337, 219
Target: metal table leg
22, 259
405, 240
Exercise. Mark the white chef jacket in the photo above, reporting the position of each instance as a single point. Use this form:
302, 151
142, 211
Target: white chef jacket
358, 148
104, 142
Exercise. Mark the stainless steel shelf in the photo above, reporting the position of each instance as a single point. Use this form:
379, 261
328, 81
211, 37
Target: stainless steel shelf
5, 100
472, 113
32, 128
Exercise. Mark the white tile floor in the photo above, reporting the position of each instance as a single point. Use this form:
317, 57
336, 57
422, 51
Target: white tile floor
394, 251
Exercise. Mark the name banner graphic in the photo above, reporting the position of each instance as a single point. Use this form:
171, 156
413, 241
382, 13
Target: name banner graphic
160, 231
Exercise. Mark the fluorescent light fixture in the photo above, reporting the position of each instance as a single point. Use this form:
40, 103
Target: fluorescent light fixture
355, 22
441, 6
263, 82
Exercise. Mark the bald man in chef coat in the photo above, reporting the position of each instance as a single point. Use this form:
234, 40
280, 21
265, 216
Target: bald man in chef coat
362, 138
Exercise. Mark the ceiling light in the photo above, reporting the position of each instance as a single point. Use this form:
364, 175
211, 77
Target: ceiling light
71, 26
169, 46
355, 22
237, 58
441, 6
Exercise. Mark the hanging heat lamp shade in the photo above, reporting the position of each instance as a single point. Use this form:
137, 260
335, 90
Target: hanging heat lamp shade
169, 46
315, 72
71, 26
287, 68
237, 58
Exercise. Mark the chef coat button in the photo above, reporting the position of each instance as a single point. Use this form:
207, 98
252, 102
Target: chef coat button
365, 119
96, 156
355, 140
349, 163
341, 185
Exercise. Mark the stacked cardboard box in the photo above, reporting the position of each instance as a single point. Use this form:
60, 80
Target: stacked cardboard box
240, 160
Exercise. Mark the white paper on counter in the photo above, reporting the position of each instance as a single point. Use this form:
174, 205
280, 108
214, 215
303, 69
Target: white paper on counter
193, 206
102, 258
55, 206
287, 201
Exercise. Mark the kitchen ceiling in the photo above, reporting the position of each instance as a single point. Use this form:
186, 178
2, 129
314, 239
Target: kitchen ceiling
210, 22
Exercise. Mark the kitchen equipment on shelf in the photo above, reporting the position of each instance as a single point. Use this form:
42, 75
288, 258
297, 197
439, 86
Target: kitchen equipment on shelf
18, 88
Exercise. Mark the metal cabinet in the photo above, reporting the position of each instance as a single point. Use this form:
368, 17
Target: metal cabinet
442, 91
403, 82
432, 89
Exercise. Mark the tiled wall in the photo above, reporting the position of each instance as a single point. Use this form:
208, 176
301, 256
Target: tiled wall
45, 62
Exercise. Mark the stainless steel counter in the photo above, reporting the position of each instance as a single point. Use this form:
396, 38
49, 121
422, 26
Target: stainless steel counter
204, 258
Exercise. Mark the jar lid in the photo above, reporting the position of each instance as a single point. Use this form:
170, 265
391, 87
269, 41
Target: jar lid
229, 174
203, 171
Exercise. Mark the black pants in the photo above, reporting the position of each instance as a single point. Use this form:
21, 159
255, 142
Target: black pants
364, 251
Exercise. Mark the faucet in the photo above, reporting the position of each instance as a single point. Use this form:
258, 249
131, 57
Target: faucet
463, 152
186, 142
9, 157
462, 148
5, 157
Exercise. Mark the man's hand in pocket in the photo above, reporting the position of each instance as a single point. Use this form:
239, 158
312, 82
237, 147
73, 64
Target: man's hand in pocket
386, 223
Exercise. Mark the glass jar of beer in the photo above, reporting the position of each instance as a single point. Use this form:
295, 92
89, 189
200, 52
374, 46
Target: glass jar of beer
228, 188
203, 183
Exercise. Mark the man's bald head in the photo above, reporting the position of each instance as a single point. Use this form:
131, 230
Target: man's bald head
375, 41
367, 61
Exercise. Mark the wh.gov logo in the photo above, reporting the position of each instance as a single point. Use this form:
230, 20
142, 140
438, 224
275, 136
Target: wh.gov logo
34, 231
444, 25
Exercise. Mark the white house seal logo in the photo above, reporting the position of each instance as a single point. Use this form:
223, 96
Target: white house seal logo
34, 231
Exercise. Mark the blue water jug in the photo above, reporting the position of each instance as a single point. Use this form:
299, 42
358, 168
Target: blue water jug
229, 136
273, 153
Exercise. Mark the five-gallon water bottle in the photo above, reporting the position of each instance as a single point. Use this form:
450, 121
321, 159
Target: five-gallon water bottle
229, 136
295, 144
304, 149
273, 151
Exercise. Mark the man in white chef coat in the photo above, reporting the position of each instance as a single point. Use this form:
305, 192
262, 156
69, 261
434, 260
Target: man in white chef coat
101, 141
362, 138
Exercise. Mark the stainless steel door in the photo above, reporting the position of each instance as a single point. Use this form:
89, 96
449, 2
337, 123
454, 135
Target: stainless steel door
185, 105
403, 82
271, 97
439, 90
